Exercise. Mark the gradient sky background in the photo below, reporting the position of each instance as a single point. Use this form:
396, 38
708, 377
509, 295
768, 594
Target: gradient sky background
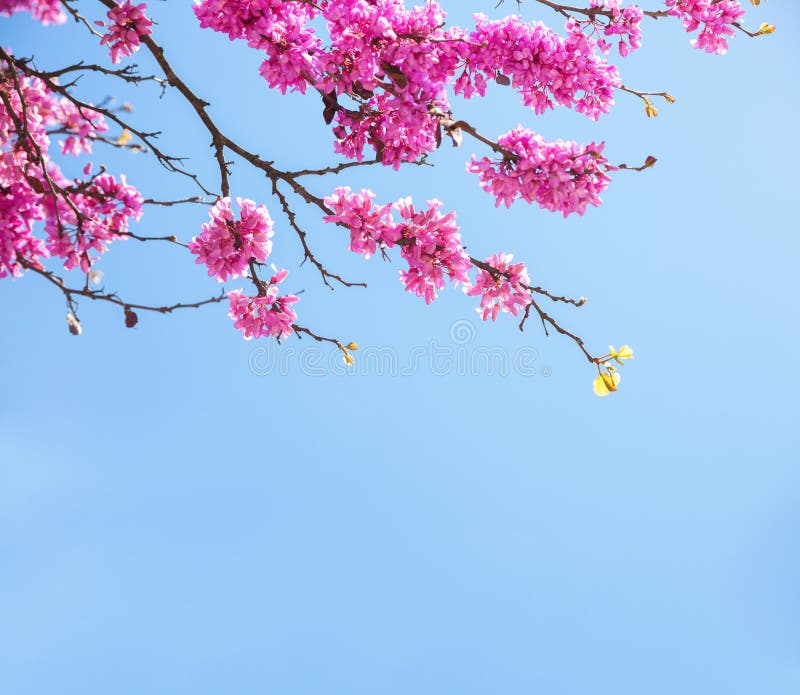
172, 522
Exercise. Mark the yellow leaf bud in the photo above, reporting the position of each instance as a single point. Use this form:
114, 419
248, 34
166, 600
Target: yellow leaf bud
606, 382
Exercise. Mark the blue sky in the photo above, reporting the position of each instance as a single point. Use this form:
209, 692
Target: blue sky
179, 513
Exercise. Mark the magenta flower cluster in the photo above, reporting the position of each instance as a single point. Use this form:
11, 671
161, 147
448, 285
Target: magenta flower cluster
81, 126
227, 245
45, 11
560, 176
265, 315
397, 65
98, 215
501, 290
431, 245
624, 22
385, 74
715, 20
127, 23
370, 226
429, 241
278, 28
20, 207
545, 68
80, 216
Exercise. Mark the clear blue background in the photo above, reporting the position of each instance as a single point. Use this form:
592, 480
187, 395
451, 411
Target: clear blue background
172, 522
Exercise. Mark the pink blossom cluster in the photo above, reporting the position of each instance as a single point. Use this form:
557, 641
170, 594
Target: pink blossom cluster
429, 241
369, 225
397, 64
98, 212
80, 216
431, 245
375, 43
360, 32
22, 182
268, 315
227, 245
398, 131
20, 207
624, 22
560, 176
501, 290
543, 66
714, 19
280, 29
81, 125
45, 11
127, 23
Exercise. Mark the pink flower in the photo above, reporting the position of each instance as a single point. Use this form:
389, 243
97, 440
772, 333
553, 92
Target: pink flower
624, 22
20, 208
227, 245
560, 176
46, 11
429, 242
279, 29
80, 216
502, 290
431, 245
81, 125
105, 209
395, 65
541, 65
399, 130
268, 315
716, 17
127, 24
369, 225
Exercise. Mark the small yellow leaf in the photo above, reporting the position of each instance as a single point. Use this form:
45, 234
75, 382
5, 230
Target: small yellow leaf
624, 353
124, 138
348, 359
606, 383
352, 346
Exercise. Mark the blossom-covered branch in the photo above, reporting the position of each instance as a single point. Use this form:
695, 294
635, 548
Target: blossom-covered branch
387, 77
